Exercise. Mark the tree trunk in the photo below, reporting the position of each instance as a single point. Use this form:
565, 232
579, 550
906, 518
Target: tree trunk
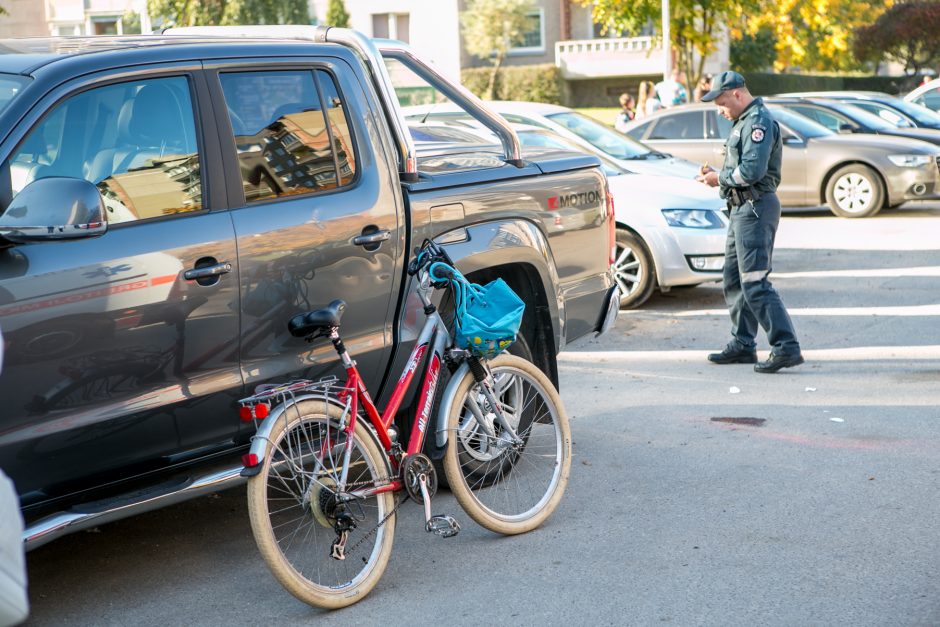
491, 89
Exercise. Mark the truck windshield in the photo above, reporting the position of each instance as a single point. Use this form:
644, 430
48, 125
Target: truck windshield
10, 86
606, 139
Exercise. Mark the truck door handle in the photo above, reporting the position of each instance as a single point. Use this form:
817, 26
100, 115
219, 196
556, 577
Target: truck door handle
207, 272
371, 238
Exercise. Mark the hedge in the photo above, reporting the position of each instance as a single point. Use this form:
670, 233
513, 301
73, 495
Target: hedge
765, 84
531, 83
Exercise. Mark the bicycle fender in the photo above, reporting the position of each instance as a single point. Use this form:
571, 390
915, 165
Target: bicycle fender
262, 437
447, 399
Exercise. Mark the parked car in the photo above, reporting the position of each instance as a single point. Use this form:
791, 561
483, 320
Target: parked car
856, 175
581, 129
927, 95
254, 179
889, 108
671, 231
843, 117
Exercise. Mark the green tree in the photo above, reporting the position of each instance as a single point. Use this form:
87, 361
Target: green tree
226, 12
905, 33
695, 25
491, 28
336, 14
755, 52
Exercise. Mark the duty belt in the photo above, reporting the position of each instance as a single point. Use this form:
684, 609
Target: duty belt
740, 195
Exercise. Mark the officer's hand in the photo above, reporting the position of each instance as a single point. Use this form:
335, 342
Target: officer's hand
705, 169
710, 178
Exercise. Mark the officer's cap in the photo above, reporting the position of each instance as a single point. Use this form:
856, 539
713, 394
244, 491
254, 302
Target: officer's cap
723, 82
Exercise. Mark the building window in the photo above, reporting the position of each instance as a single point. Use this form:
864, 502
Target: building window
534, 36
105, 26
392, 26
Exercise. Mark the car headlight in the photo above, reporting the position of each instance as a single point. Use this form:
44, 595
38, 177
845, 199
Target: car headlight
693, 218
910, 161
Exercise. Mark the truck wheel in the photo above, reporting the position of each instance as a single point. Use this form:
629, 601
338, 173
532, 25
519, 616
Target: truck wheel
634, 270
855, 191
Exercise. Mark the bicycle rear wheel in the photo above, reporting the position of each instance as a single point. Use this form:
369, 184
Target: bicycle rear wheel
293, 506
508, 488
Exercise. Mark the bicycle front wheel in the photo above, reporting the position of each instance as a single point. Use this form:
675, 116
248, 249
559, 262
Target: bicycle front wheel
505, 486
294, 506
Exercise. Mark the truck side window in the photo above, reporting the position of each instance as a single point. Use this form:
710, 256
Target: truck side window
285, 146
136, 141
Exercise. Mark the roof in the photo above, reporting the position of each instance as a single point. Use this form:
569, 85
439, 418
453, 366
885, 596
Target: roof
23, 56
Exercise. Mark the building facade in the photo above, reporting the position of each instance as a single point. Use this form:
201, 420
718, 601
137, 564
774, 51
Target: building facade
60, 18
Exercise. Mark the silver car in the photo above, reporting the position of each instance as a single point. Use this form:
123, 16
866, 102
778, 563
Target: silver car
856, 175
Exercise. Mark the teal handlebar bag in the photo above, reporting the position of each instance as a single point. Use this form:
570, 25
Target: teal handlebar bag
486, 317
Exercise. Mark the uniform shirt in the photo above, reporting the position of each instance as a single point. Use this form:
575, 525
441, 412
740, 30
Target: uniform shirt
753, 152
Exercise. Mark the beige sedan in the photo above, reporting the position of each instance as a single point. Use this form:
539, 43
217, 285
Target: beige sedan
856, 175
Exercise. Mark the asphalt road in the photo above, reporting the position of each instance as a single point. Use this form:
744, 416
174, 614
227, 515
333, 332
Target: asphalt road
823, 511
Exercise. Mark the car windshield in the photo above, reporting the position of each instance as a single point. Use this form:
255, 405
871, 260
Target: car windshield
551, 140
800, 123
10, 86
921, 115
605, 139
861, 116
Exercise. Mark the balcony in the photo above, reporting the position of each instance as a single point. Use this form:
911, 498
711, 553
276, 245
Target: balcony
601, 58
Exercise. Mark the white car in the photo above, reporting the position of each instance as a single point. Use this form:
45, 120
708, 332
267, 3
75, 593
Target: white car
927, 95
585, 131
670, 230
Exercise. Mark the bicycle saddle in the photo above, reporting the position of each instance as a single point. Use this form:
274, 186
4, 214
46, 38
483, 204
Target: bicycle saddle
317, 321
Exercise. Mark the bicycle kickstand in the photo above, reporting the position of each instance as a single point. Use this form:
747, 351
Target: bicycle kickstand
443, 525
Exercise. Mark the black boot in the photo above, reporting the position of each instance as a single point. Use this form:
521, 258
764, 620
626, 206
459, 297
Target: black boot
776, 362
733, 355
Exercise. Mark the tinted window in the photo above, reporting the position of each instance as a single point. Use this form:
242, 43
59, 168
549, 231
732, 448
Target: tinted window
830, 120
799, 123
637, 132
685, 125
10, 86
285, 145
885, 113
136, 141
921, 114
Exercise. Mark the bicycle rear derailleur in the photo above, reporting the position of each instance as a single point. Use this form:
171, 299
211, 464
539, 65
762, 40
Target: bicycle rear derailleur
420, 480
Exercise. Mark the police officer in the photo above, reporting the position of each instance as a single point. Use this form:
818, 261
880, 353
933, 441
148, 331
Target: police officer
748, 182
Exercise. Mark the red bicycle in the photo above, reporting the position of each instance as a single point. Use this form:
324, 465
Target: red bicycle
324, 484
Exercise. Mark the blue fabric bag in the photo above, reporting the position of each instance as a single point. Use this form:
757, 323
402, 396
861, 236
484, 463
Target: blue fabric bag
486, 317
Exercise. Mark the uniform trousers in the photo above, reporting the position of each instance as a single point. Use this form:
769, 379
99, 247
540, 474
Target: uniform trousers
751, 298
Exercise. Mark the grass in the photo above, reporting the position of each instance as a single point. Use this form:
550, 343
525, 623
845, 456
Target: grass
605, 115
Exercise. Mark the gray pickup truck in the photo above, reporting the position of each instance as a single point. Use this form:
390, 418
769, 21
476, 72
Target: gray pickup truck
169, 202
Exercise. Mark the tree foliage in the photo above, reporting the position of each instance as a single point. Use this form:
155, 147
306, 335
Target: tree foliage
695, 25
811, 35
492, 27
336, 14
227, 12
754, 52
908, 33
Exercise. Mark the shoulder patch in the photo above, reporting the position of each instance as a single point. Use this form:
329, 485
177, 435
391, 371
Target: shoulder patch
757, 134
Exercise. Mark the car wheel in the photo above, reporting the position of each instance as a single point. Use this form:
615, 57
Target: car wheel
633, 269
855, 191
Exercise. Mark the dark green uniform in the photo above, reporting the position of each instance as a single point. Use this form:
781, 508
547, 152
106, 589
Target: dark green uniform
748, 181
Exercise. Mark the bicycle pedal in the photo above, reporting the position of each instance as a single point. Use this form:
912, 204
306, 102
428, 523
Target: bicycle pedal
443, 525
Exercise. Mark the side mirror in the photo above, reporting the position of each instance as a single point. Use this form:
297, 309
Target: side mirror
52, 209
791, 139
846, 129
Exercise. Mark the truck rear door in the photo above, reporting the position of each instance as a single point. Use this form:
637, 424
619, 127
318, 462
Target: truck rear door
317, 213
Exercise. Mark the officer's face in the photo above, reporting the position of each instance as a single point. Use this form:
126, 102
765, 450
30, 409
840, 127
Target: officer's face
730, 103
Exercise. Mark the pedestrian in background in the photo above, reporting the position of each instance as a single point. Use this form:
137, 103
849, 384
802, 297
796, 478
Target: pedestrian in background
702, 88
627, 112
647, 102
748, 182
671, 92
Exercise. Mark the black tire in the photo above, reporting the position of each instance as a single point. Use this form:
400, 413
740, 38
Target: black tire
635, 272
855, 191
504, 487
287, 501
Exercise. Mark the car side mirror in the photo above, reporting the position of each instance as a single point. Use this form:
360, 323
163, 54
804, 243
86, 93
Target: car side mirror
54, 208
791, 139
846, 129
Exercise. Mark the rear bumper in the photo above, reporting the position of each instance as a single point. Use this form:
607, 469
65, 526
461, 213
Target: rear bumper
609, 314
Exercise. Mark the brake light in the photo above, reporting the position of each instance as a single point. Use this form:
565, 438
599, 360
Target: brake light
611, 226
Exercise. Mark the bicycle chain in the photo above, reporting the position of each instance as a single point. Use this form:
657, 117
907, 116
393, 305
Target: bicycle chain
376, 528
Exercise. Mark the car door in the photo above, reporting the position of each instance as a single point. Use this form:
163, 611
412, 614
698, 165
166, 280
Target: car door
114, 359
318, 214
682, 133
792, 188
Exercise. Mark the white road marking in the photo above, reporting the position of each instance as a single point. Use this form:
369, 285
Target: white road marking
866, 312
872, 272
856, 353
